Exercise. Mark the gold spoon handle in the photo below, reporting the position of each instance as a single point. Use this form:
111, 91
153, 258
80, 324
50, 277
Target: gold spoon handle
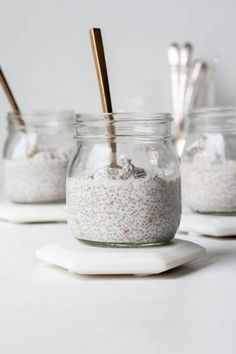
11, 98
103, 82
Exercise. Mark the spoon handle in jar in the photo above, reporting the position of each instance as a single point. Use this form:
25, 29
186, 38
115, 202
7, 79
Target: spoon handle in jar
201, 87
185, 59
103, 82
194, 84
173, 58
8, 92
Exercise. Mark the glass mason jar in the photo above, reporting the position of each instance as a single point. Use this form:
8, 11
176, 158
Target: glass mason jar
123, 183
36, 156
209, 161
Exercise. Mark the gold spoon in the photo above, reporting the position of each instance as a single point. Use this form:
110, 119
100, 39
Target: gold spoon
11, 99
103, 82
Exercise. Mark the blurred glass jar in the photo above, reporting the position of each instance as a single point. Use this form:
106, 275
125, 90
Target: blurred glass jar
124, 191
209, 161
36, 156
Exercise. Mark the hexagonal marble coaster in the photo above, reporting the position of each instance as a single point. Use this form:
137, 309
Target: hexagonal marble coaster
78, 257
210, 225
32, 213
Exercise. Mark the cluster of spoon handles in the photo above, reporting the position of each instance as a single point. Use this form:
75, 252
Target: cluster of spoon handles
188, 79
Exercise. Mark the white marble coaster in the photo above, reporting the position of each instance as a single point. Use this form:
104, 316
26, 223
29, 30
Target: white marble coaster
32, 213
211, 225
84, 259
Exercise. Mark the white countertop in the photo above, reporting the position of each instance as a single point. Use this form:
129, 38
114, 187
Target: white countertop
47, 310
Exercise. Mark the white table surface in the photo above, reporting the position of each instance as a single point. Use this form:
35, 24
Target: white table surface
46, 310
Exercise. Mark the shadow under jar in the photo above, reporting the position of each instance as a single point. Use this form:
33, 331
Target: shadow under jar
129, 197
209, 161
36, 156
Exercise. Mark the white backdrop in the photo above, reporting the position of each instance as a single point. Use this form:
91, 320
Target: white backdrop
46, 55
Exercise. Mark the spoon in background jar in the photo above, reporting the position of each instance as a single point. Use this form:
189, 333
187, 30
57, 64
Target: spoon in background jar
191, 91
174, 61
201, 89
28, 141
185, 59
198, 71
11, 99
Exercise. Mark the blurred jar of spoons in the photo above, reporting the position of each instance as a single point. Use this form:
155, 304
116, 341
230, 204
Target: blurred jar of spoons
192, 83
209, 161
36, 155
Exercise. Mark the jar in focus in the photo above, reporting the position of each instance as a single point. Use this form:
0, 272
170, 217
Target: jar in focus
123, 189
208, 163
36, 156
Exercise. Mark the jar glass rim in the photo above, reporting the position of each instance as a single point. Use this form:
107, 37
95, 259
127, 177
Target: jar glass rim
42, 118
211, 112
123, 117
122, 125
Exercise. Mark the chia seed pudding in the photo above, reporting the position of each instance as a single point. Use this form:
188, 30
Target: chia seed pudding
127, 206
209, 187
38, 178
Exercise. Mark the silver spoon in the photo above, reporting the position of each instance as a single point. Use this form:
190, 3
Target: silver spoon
200, 86
185, 59
174, 61
191, 91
